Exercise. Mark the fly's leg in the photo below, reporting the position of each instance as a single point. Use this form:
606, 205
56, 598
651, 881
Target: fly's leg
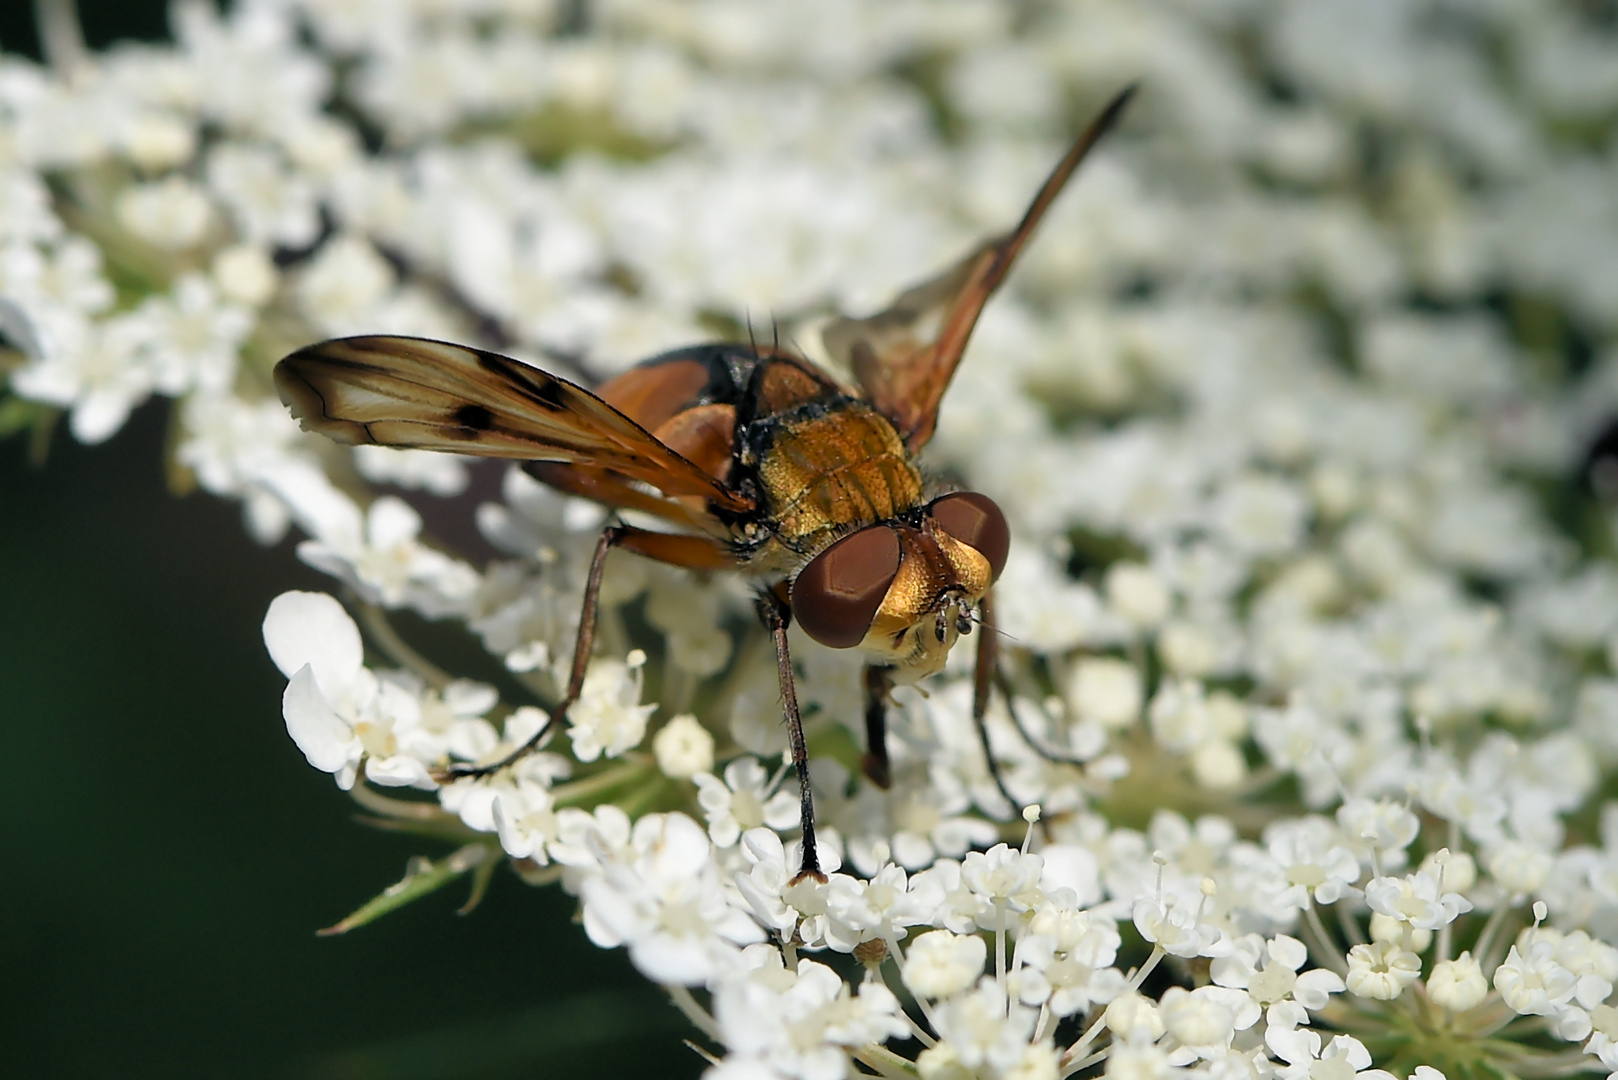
984, 673
988, 668
696, 552
1034, 744
875, 763
777, 616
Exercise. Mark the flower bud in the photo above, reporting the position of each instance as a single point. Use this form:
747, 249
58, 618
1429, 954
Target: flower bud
1106, 691
941, 1062
1135, 593
1519, 867
1197, 1018
1398, 932
244, 273
171, 213
159, 140
683, 748
1187, 649
1457, 984
1455, 871
1130, 1014
1218, 765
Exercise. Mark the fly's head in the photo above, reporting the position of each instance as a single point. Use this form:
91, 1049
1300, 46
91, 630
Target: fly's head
901, 592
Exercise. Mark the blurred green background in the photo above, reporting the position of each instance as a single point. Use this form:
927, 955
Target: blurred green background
169, 854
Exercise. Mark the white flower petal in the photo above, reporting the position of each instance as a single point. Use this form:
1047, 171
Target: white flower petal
320, 733
304, 628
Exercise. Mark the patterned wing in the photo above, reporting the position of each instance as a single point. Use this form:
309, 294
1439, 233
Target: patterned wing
430, 395
905, 355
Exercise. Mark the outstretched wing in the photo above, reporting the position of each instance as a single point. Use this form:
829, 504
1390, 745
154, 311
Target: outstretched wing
430, 395
904, 356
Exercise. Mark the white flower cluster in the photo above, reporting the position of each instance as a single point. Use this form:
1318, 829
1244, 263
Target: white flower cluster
1311, 612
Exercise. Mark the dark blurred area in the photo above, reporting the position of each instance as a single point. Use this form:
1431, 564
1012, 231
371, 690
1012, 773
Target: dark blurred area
169, 853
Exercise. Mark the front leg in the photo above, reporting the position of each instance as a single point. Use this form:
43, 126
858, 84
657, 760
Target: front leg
777, 616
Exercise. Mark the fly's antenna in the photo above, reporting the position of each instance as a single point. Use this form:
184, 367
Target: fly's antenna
977, 620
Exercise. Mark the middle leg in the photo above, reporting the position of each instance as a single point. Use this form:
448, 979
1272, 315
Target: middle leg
676, 549
984, 670
875, 763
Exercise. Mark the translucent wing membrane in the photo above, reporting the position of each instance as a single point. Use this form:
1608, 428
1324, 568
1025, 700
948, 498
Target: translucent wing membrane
430, 395
905, 355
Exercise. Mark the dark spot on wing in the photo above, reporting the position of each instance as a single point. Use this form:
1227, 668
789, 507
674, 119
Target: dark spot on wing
542, 389
495, 364
474, 416
552, 395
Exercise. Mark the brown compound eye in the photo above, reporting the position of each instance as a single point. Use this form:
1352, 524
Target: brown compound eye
837, 595
975, 521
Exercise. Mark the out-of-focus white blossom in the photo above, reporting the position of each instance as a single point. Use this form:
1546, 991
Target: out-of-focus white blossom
171, 213
684, 748
1105, 690
98, 370
381, 556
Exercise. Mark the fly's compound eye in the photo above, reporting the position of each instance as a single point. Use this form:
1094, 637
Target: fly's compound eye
975, 521
836, 597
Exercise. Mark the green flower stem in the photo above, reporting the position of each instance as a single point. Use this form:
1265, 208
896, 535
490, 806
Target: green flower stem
378, 803
1000, 941
896, 956
1484, 948
423, 877
397, 649
644, 794
135, 267
885, 1062
1043, 1024
1497, 1018
679, 688
694, 1012
1569, 1063
1353, 932
1320, 941
482, 874
60, 37
1070, 1063
577, 791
